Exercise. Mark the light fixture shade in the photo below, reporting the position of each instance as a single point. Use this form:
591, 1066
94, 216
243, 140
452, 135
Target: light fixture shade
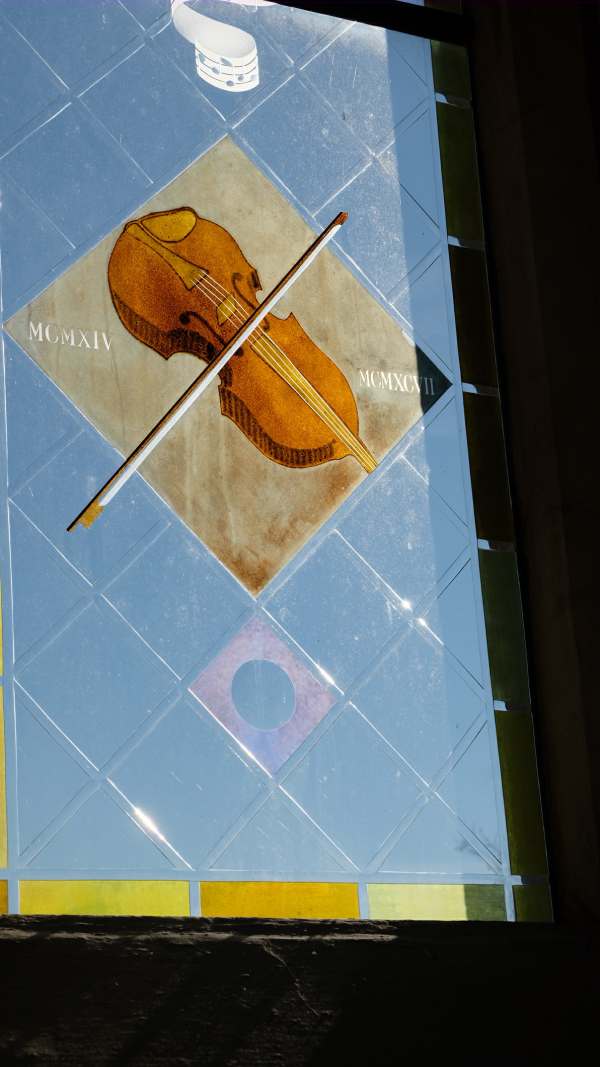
226, 56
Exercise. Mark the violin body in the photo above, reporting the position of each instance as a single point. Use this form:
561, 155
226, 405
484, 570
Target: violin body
180, 283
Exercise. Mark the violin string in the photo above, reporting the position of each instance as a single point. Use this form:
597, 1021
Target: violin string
276, 357
286, 369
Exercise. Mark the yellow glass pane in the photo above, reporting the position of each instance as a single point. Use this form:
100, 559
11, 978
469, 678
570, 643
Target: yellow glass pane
451, 69
280, 900
3, 898
518, 763
104, 898
3, 837
436, 902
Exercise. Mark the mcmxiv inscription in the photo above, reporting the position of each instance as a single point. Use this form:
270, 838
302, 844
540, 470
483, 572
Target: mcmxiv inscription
72, 336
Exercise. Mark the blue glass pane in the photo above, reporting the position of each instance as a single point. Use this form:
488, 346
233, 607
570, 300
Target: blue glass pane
351, 784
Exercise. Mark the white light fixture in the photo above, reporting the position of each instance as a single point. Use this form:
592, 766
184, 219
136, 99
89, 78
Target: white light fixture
226, 57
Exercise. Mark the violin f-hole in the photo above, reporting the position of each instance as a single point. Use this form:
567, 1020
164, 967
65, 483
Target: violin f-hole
255, 281
185, 318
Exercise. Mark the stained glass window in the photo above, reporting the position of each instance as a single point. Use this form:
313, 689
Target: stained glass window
279, 668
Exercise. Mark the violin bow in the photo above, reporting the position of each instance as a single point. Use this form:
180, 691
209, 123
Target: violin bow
131, 464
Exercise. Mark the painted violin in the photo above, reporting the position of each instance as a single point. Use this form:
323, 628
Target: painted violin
180, 283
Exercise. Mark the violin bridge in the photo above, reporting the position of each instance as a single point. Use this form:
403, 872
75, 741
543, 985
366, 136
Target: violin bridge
225, 310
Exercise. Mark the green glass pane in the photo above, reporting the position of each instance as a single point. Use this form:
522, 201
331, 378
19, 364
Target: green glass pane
485, 902
504, 626
455, 6
533, 903
473, 316
459, 172
450, 69
487, 459
521, 793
